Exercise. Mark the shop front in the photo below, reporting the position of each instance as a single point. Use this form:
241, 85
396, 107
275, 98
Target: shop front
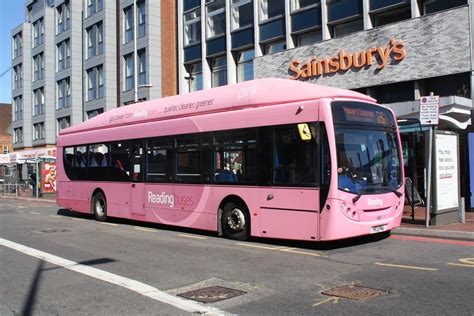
398, 64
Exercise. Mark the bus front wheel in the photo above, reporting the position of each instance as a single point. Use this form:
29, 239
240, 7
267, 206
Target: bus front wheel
235, 221
99, 206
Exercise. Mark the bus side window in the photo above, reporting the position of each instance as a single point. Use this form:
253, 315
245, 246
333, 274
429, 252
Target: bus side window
68, 162
119, 169
294, 158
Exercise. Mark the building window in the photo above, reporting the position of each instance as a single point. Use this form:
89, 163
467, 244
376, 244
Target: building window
432, 6
94, 6
128, 24
95, 40
309, 38
95, 83
275, 47
18, 135
62, 123
128, 72
391, 16
17, 45
38, 62
271, 8
63, 13
38, 131
302, 4
91, 114
141, 18
347, 28
242, 13
142, 67
38, 32
17, 76
192, 27
38, 96
64, 55
219, 71
195, 77
215, 18
245, 65
18, 103
63, 94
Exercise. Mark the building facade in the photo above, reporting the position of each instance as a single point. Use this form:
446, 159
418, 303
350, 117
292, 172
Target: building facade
393, 50
72, 60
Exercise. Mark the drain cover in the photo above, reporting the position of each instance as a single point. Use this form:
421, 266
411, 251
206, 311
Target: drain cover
354, 292
212, 294
53, 230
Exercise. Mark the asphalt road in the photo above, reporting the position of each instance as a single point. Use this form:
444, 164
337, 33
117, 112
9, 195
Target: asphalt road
56, 262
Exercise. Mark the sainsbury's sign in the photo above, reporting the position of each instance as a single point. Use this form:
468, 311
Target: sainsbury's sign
315, 67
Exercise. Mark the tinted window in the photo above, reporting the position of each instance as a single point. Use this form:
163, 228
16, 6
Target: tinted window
119, 161
98, 158
295, 155
159, 160
235, 156
188, 159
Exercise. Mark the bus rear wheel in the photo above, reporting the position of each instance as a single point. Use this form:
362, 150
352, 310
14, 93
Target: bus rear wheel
235, 221
99, 206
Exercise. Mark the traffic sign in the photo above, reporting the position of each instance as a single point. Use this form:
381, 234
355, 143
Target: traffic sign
429, 110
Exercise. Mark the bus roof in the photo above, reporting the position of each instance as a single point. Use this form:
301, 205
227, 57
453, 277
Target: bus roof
254, 93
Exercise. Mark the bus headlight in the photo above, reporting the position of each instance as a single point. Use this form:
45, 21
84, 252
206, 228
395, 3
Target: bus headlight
348, 211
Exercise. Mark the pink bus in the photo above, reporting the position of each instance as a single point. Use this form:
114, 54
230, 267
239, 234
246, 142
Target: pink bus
266, 158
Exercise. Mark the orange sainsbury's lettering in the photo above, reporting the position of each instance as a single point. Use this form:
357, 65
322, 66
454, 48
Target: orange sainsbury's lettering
344, 61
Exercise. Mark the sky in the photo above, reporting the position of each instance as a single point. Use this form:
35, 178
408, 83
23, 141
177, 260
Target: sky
11, 15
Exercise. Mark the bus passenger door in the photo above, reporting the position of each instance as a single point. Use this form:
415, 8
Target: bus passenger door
289, 206
137, 185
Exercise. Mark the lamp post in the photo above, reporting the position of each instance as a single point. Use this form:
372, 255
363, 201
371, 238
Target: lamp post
135, 66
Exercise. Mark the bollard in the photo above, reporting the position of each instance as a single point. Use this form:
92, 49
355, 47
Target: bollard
462, 212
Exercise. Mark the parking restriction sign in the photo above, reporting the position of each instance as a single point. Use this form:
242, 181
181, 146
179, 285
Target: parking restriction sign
429, 110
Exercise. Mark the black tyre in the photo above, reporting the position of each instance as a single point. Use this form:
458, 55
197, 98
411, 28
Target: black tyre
99, 206
235, 221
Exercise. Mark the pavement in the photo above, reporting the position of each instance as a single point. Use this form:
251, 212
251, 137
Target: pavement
409, 227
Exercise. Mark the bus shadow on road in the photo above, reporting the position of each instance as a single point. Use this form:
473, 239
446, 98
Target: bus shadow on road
324, 245
313, 245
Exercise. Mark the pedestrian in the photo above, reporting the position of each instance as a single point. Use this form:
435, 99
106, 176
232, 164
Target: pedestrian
33, 183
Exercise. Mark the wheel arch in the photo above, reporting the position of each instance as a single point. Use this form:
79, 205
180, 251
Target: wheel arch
229, 198
96, 190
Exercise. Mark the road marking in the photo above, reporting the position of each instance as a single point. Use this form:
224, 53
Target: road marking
35, 213
461, 265
19, 211
405, 267
334, 300
55, 216
144, 229
294, 250
79, 219
465, 262
434, 240
191, 236
260, 247
109, 224
130, 284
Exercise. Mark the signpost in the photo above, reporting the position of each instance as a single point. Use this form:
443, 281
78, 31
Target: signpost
429, 110
429, 115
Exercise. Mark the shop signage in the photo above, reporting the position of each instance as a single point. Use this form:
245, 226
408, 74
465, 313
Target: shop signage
429, 110
380, 56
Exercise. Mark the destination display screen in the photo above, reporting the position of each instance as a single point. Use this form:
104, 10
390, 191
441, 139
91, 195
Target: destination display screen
362, 113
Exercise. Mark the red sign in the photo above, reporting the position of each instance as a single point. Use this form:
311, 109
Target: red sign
48, 172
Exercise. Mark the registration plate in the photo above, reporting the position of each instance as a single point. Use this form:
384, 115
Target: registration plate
378, 229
